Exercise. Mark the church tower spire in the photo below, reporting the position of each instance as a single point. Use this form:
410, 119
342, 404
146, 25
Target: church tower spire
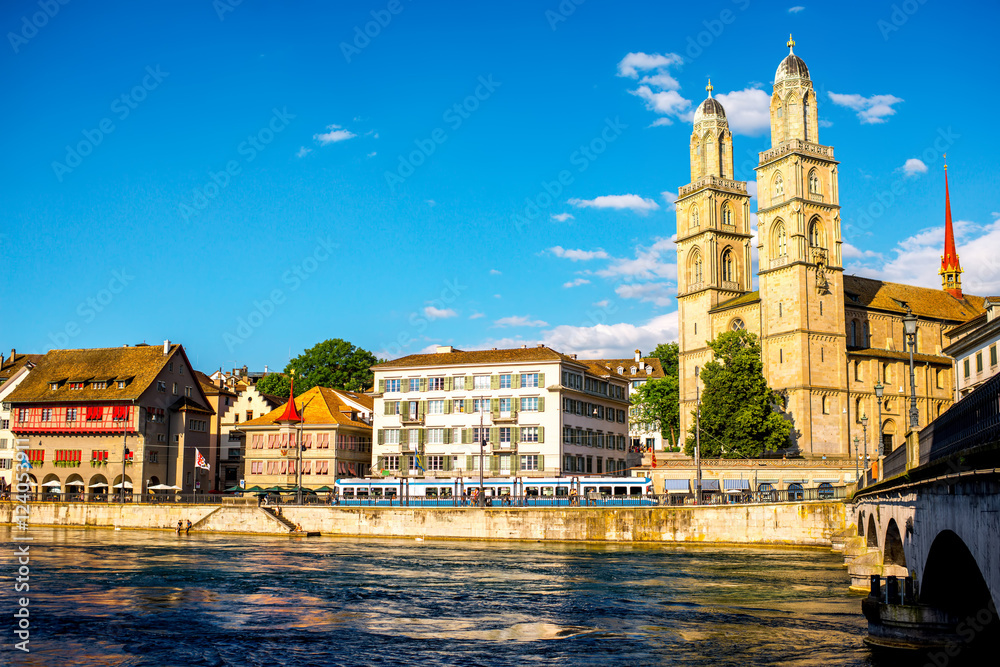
951, 269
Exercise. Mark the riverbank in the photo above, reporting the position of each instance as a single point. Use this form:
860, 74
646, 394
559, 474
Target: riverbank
797, 524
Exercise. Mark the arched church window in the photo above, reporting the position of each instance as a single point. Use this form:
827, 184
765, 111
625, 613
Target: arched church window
778, 113
815, 234
854, 333
727, 214
738, 325
728, 267
694, 216
868, 336
814, 182
696, 267
780, 240
779, 186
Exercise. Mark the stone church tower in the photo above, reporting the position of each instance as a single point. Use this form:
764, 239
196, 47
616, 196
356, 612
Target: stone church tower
803, 341
713, 241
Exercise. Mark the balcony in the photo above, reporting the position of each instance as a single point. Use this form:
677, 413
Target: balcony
503, 447
779, 261
815, 196
713, 182
412, 420
504, 417
731, 286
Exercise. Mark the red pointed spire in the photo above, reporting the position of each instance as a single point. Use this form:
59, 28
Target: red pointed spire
951, 269
291, 413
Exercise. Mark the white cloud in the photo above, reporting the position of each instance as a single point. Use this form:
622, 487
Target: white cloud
660, 122
303, 151
603, 303
431, 202
519, 321
476, 316
578, 255
494, 272
647, 264
871, 110
914, 166
433, 313
752, 189
336, 133
748, 111
667, 103
671, 198
795, 10
633, 63
661, 294
825, 123
851, 252
372, 154
631, 202
608, 341
916, 260
562, 217
576, 283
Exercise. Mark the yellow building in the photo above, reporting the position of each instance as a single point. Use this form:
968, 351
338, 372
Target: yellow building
826, 338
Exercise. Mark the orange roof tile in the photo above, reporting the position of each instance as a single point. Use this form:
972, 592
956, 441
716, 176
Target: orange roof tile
319, 405
925, 302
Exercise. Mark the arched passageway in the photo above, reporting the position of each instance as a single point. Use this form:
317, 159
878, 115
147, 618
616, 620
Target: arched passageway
872, 532
861, 524
893, 553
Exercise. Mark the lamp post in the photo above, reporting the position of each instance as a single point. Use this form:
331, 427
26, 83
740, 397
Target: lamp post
482, 449
879, 390
910, 329
697, 436
864, 425
857, 479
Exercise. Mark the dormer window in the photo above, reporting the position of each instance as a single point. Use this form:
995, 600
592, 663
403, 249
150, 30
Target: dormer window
76, 385
53, 386
121, 384
621, 370
99, 385
632, 370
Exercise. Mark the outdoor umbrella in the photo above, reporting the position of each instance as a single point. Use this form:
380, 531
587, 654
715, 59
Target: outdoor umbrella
254, 488
128, 485
324, 488
99, 485
275, 489
53, 483
75, 482
159, 487
236, 488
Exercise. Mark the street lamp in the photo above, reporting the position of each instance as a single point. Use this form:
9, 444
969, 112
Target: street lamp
697, 435
864, 425
856, 475
879, 390
910, 329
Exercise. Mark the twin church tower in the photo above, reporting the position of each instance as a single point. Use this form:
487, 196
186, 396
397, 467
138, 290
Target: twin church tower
798, 311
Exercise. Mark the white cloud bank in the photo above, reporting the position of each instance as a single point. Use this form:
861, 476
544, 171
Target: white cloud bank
618, 202
871, 110
913, 166
336, 133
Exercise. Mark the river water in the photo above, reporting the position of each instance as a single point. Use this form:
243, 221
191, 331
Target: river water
101, 597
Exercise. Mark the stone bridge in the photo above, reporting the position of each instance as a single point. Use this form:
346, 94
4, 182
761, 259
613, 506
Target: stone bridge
927, 543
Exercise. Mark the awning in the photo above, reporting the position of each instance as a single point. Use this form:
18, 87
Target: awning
709, 485
677, 486
736, 484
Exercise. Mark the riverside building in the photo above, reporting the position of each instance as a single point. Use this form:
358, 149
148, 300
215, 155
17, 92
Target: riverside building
528, 411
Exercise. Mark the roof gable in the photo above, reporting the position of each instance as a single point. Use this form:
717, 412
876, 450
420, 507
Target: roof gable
319, 405
925, 302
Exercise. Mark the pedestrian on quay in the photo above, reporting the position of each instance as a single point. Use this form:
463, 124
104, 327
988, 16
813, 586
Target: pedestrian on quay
188, 530
180, 524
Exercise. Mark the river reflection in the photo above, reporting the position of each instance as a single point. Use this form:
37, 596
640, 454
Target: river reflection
155, 598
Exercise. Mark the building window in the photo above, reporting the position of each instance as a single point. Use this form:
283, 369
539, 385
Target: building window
70, 415
529, 380
727, 214
392, 385
529, 434
939, 378
505, 406
696, 267
435, 463
481, 382
505, 381
887, 373
780, 240
391, 436
815, 234
529, 404
121, 385
505, 434
175, 389
814, 182
694, 217
435, 436
854, 333
79, 385
965, 365
480, 405
826, 405
161, 386
435, 384
779, 184
435, 407
529, 462
480, 435
738, 325
187, 391
728, 268
993, 355
46, 414
858, 372
99, 385
979, 362
391, 462
781, 356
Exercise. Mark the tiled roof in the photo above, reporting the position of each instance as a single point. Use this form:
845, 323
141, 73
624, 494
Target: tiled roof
14, 364
141, 363
925, 302
271, 398
318, 405
600, 368
189, 405
901, 356
361, 399
209, 387
627, 365
742, 300
459, 357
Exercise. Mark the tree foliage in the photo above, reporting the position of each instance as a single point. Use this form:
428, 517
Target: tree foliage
655, 403
739, 412
333, 363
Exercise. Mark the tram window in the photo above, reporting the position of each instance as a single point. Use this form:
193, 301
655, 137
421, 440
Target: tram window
390, 493
376, 493
445, 492
606, 490
589, 489
362, 493
431, 492
621, 490
635, 491
562, 491
531, 491
348, 493
547, 491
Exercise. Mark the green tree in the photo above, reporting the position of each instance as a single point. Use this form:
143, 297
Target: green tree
656, 404
739, 416
276, 384
334, 363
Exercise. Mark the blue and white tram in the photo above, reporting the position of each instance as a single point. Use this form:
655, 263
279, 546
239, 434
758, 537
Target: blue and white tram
496, 491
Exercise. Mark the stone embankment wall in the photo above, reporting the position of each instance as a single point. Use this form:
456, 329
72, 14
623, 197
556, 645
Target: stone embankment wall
806, 523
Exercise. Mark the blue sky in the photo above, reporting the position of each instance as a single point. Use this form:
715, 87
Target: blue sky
249, 179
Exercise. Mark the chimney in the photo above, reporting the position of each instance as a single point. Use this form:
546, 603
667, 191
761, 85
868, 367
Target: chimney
638, 355
1, 360
13, 354
265, 369
166, 347
445, 349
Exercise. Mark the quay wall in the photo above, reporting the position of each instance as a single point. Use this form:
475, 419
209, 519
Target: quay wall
810, 523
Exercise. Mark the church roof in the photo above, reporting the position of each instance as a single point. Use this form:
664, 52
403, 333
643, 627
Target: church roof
710, 108
925, 302
901, 356
792, 67
742, 300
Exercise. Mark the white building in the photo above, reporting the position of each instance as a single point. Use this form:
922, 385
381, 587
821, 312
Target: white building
638, 371
12, 371
538, 412
974, 347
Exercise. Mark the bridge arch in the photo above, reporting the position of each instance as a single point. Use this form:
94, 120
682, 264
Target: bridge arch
872, 531
861, 523
893, 553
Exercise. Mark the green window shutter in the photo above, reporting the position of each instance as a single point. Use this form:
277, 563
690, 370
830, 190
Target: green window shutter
494, 464
381, 386
468, 406
541, 404
404, 385
404, 462
447, 437
495, 407
381, 436
515, 434
541, 434
517, 404
468, 383
515, 463
541, 462
423, 384
541, 379
421, 436
380, 463
494, 435
494, 382
447, 406
404, 409
422, 408
470, 462
448, 383
515, 381
446, 463
388, 407
466, 436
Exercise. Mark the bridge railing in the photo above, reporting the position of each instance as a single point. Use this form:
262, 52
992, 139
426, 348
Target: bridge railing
895, 462
973, 421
